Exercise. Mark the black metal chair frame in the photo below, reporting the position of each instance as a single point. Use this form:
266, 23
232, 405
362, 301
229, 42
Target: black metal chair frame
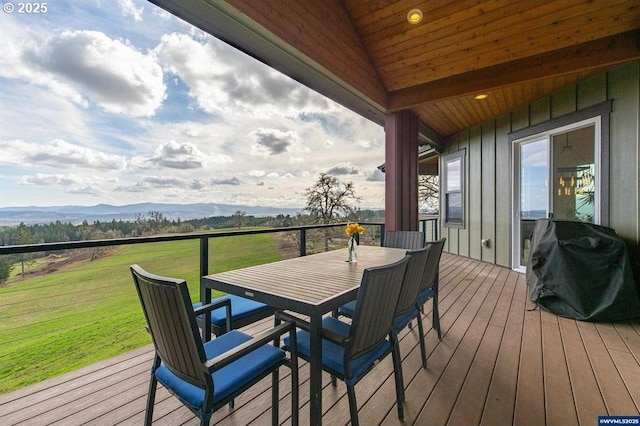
430, 280
371, 324
166, 303
409, 294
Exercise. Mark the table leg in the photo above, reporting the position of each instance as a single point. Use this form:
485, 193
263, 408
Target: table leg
315, 373
205, 298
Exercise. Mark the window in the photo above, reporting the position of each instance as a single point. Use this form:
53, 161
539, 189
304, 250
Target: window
453, 166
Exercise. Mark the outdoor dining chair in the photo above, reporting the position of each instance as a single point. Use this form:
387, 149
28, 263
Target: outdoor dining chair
407, 309
350, 351
205, 377
430, 284
409, 240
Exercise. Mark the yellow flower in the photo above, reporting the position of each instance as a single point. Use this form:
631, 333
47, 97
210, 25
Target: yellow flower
354, 228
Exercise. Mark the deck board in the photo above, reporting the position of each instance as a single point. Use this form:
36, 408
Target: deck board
498, 363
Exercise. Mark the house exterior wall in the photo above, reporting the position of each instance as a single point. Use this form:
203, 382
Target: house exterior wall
488, 177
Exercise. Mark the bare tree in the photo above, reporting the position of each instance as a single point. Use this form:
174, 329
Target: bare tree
23, 235
329, 198
239, 217
429, 192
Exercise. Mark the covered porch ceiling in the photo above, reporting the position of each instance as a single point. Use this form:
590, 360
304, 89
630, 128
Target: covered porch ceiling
365, 55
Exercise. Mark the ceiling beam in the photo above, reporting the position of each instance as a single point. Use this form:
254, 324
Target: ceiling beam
597, 54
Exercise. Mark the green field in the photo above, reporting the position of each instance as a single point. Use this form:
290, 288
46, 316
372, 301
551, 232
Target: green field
88, 311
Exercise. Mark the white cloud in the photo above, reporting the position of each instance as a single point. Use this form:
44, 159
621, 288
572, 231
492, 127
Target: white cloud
151, 182
87, 190
50, 179
84, 66
76, 102
224, 80
58, 154
234, 181
268, 142
182, 156
376, 176
129, 9
113, 73
343, 169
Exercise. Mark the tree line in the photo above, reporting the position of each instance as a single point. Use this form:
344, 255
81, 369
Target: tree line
328, 200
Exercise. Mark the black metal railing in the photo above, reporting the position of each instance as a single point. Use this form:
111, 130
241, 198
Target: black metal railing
20, 304
428, 226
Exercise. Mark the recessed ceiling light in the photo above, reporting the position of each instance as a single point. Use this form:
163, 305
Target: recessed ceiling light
414, 16
480, 96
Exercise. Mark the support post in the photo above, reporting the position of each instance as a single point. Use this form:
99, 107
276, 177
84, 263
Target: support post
401, 171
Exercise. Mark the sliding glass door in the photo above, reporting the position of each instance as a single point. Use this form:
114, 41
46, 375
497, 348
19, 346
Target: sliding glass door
555, 176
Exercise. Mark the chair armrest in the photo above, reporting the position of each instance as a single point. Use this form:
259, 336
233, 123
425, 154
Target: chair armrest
336, 338
219, 303
299, 322
214, 305
239, 351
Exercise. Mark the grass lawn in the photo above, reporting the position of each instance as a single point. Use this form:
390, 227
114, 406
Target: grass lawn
89, 311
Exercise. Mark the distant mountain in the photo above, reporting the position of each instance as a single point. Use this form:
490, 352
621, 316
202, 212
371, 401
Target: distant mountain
105, 212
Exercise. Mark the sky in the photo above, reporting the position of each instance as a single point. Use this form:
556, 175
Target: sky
119, 102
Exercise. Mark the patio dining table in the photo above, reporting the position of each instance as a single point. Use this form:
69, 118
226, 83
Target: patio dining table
311, 285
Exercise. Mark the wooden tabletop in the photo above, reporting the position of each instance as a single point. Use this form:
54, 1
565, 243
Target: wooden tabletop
304, 283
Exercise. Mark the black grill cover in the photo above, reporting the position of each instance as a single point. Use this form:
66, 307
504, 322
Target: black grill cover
581, 271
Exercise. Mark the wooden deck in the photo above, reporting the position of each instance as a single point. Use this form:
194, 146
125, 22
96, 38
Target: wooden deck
498, 363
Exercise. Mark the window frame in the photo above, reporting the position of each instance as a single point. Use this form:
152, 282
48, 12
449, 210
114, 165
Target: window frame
457, 156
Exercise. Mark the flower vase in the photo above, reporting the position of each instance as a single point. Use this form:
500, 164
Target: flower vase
352, 247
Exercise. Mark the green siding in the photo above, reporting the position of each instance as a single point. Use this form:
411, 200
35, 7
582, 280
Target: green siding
463, 233
502, 242
624, 89
488, 161
563, 102
474, 233
488, 201
592, 91
540, 111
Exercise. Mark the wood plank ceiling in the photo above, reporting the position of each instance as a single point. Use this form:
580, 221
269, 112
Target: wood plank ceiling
365, 55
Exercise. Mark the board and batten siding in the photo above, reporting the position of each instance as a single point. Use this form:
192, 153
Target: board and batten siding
488, 175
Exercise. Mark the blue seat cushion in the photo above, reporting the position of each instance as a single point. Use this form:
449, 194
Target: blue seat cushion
348, 309
333, 354
240, 307
401, 321
228, 379
424, 296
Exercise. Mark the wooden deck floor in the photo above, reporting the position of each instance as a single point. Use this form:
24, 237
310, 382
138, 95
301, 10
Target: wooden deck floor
498, 363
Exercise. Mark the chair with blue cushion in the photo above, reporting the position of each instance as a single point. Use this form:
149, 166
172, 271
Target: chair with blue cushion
407, 309
430, 284
243, 312
205, 377
350, 351
410, 240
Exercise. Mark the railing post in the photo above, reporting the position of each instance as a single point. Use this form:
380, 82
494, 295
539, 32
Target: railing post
205, 293
204, 256
434, 226
382, 235
303, 242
